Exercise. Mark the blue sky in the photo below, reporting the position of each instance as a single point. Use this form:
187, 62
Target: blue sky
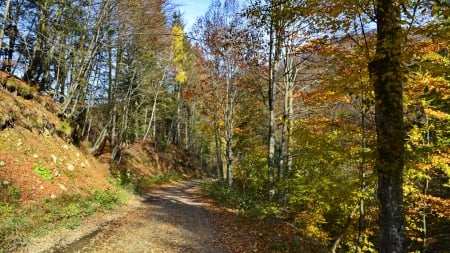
192, 9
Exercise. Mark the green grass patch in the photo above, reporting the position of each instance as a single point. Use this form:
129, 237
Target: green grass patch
68, 211
43, 171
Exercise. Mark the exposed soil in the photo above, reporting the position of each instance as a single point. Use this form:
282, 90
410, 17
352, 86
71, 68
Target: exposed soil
167, 219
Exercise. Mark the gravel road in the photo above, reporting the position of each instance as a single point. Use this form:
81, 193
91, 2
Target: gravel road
169, 219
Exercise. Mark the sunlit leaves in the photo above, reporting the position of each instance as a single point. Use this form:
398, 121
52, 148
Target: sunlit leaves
427, 113
180, 54
334, 168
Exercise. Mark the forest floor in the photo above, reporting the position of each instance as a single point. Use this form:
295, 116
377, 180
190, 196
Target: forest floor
169, 218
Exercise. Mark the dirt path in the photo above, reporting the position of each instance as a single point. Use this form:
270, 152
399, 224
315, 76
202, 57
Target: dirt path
168, 220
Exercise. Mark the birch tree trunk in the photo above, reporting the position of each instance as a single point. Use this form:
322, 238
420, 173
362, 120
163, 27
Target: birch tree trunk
273, 66
218, 143
230, 108
290, 67
5, 18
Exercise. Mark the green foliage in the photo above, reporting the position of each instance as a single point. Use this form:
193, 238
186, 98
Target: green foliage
427, 170
107, 199
43, 171
250, 175
65, 128
322, 190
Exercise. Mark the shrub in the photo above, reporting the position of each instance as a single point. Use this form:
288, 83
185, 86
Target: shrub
64, 129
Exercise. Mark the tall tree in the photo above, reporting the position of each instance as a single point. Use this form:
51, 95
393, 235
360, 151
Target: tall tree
281, 20
388, 75
179, 60
229, 49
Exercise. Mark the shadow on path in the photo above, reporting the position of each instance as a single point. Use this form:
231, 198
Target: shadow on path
169, 220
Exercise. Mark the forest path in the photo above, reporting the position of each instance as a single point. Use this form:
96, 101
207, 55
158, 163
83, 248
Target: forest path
169, 219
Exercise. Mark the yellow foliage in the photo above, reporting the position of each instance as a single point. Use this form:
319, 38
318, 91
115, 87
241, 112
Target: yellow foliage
437, 58
220, 123
181, 77
315, 232
178, 45
440, 161
437, 114
180, 54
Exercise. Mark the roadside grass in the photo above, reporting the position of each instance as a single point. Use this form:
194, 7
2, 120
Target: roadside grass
20, 222
249, 203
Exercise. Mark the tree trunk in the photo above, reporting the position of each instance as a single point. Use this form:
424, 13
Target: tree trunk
218, 142
290, 67
177, 134
32, 73
362, 174
84, 61
273, 65
192, 132
5, 18
155, 101
386, 73
229, 115
96, 149
229, 154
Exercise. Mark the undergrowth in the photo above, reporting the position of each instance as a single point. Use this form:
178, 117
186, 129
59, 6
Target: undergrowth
250, 203
263, 214
19, 222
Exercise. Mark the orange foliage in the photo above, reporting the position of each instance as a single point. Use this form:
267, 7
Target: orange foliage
425, 46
